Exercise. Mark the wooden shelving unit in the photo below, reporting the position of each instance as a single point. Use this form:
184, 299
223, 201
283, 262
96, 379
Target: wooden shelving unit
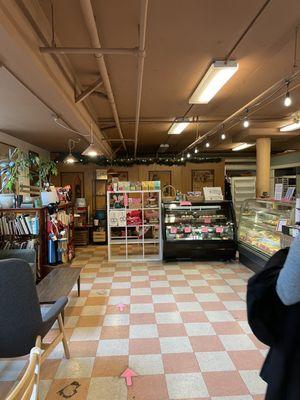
41, 237
99, 232
129, 240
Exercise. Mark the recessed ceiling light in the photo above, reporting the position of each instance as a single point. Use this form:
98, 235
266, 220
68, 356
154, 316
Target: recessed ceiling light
177, 128
215, 78
207, 144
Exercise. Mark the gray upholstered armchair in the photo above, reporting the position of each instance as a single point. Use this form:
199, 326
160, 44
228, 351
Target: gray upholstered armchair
28, 255
21, 319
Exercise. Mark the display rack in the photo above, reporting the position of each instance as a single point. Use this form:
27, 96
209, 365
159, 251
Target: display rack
242, 188
134, 225
203, 230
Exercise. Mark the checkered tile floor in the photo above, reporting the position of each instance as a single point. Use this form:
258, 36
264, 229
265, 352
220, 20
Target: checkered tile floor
183, 331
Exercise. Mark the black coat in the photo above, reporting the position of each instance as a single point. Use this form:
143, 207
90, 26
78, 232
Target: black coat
278, 326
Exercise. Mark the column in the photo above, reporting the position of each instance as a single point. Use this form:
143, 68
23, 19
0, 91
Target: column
263, 162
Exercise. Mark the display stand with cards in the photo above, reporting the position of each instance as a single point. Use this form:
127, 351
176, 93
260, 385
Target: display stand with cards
134, 225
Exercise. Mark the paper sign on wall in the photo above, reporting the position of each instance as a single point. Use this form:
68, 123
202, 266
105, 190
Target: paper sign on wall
212, 193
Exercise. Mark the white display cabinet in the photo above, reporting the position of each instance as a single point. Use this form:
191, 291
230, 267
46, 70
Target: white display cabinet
242, 188
134, 225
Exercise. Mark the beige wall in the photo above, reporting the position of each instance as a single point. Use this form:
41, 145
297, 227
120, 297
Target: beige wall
181, 176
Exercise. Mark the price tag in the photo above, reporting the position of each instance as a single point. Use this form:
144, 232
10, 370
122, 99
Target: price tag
187, 229
219, 229
204, 229
173, 229
207, 220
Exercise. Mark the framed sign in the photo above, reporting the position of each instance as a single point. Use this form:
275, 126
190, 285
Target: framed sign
202, 178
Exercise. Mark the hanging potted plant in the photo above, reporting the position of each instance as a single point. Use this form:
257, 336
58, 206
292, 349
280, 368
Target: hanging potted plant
11, 168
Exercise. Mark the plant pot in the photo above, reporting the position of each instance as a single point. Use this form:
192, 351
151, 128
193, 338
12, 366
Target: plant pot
7, 200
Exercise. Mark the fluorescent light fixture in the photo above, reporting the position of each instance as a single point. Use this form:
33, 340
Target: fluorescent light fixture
177, 128
70, 159
215, 78
242, 146
291, 127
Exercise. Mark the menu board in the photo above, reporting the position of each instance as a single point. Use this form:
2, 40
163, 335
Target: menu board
212, 193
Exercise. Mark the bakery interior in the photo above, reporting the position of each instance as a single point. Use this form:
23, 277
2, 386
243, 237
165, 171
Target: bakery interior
150, 165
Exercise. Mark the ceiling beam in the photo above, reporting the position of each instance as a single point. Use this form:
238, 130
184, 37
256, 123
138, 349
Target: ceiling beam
85, 93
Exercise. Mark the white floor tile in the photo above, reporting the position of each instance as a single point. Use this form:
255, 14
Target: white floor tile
186, 386
141, 308
113, 347
86, 333
146, 364
107, 388
214, 361
143, 331
253, 382
168, 318
219, 316
237, 342
199, 329
116, 319
189, 306
75, 368
179, 344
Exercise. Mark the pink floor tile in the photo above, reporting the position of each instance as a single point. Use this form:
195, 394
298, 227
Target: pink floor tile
143, 318
180, 363
213, 306
161, 290
169, 330
140, 299
226, 383
184, 297
206, 343
229, 297
239, 315
194, 316
202, 289
165, 307
178, 283
227, 328
148, 388
120, 292
144, 346
248, 359
138, 285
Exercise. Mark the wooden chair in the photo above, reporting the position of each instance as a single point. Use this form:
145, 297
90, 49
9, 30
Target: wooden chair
21, 319
28, 387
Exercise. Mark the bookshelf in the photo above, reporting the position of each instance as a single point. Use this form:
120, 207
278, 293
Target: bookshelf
27, 228
134, 225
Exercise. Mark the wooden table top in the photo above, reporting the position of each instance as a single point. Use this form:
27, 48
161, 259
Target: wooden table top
59, 282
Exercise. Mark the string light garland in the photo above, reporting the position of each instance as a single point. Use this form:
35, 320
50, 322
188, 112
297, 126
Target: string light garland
130, 161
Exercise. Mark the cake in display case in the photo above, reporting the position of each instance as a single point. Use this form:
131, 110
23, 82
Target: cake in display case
260, 226
203, 230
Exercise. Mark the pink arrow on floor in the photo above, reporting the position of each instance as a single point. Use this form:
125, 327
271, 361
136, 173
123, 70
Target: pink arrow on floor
128, 374
121, 307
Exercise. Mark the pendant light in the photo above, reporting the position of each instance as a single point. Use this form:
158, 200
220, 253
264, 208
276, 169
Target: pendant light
91, 150
246, 122
287, 100
70, 159
223, 134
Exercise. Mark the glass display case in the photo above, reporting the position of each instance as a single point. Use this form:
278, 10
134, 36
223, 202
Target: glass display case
204, 230
260, 230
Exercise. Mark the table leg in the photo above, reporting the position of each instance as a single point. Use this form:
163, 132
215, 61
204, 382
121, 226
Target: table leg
78, 286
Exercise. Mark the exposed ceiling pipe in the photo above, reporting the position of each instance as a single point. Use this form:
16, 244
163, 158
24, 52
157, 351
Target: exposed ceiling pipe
141, 59
89, 18
89, 50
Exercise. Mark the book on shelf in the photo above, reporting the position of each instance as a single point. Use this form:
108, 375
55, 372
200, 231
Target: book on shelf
23, 224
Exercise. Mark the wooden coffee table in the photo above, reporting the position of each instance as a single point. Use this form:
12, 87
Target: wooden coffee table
59, 282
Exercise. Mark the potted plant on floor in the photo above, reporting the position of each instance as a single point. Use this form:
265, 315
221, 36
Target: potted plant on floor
11, 168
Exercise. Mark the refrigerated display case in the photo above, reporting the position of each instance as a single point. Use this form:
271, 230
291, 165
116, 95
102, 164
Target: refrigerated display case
204, 230
260, 230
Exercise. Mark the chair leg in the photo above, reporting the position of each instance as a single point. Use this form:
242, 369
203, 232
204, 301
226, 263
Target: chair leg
64, 337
